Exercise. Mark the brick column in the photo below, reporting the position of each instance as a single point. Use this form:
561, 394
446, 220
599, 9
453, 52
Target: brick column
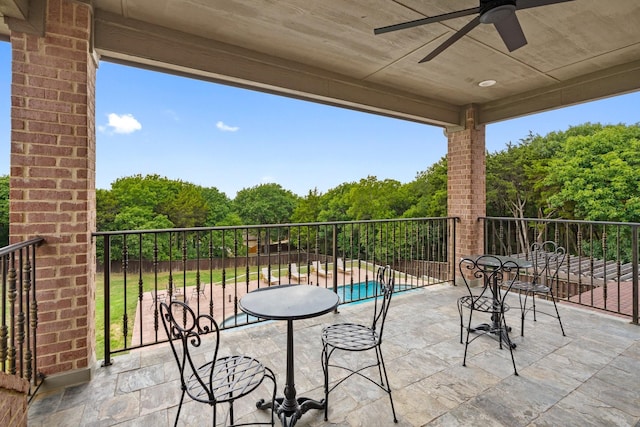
52, 183
13, 400
466, 184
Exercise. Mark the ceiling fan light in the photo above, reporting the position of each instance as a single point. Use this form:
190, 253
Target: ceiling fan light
487, 83
498, 13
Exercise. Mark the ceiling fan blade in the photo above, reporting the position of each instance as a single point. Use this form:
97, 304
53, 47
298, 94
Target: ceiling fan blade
454, 38
527, 4
511, 32
429, 20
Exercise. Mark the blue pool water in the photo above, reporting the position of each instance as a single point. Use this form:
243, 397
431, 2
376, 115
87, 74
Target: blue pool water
238, 319
361, 292
351, 294
357, 292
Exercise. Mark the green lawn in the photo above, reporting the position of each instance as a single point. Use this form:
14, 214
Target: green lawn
118, 294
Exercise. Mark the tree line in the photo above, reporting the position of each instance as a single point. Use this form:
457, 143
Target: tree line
589, 171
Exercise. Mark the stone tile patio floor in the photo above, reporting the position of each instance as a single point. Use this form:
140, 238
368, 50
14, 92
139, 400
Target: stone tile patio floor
591, 377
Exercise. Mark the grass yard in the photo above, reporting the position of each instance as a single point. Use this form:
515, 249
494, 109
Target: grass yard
122, 296
124, 299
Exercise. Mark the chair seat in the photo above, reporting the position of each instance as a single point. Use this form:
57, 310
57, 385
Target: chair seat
350, 336
233, 377
530, 287
354, 337
484, 304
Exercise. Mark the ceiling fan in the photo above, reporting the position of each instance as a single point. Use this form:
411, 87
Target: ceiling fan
500, 13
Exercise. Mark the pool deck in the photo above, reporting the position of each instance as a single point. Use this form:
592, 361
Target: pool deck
588, 378
225, 298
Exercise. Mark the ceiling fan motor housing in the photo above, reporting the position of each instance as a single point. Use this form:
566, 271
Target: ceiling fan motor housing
492, 11
500, 13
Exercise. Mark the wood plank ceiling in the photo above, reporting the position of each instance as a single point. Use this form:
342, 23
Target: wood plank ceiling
326, 51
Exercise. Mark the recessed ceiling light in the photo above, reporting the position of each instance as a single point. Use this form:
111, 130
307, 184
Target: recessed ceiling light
487, 83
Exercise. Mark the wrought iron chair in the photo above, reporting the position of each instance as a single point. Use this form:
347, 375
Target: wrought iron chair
547, 257
223, 379
497, 278
156, 298
198, 290
354, 337
174, 292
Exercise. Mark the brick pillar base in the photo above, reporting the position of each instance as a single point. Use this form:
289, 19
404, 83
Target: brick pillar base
52, 178
466, 184
13, 400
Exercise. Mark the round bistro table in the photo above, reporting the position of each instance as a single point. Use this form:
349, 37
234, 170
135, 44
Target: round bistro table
290, 302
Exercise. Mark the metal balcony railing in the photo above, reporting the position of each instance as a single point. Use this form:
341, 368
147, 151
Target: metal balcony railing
211, 268
600, 270
19, 312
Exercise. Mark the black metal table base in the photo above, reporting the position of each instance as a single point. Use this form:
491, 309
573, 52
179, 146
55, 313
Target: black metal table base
495, 333
308, 301
289, 413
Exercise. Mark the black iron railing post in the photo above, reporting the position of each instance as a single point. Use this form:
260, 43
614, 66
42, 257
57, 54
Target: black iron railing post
634, 275
18, 307
370, 242
452, 258
107, 302
11, 297
602, 263
334, 249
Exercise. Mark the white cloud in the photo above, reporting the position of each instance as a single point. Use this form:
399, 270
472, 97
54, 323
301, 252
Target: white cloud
123, 123
172, 115
226, 128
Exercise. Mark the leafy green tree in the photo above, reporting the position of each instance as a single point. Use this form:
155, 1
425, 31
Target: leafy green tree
219, 206
335, 203
508, 186
188, 208
550, 145
140, 218
429, 192
231, 219
308, 208
106, 210
265, 204
368, 199
150, 191
597, 175
373, 199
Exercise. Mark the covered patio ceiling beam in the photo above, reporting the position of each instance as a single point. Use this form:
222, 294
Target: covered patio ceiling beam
150, 46
24, 15
18, 9
601, 84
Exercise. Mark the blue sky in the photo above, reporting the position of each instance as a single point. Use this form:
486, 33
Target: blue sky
219, 136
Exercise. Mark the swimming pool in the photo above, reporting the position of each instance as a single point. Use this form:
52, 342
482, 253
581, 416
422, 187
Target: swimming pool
363, 291
348, 294
238, 320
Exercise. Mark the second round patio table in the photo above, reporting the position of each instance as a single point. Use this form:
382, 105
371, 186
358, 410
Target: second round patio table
497, 261
290, 302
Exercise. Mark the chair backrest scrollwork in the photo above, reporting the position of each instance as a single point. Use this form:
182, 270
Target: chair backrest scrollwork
384, 288
184, 330
489, 270
547, 258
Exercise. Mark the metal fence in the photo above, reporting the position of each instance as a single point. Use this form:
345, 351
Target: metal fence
601, 267
19, 312
211, 268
